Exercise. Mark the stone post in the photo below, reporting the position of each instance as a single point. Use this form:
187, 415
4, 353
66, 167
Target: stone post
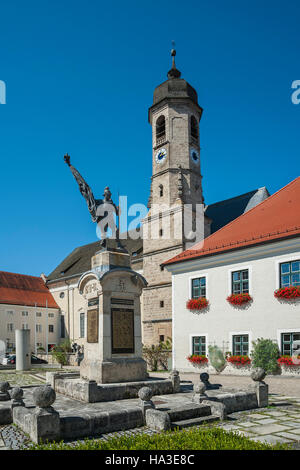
174, 376
4, 395
145, 402
199, 393
17, 397
46, 422
261, 388
23, 356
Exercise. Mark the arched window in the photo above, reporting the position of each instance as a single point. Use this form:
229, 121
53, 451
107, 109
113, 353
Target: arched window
194, 127
161, 190
161, 127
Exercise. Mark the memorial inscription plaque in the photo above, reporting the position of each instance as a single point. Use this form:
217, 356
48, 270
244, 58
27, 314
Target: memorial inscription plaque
122, 327
92, 326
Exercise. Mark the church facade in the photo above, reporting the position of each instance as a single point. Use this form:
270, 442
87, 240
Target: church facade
176, 183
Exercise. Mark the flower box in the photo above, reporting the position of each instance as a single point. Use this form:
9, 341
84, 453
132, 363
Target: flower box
197, 304
287, 293
239, 360
196, 359
288, 361
239, 299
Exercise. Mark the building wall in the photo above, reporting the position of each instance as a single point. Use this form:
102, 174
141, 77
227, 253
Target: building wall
72, 304
12, 314
265, 317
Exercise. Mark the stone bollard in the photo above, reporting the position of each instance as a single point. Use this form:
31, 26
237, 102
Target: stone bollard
46, 421
17, 397
174, 376
4, 395
145, 402
261, 388
199, 393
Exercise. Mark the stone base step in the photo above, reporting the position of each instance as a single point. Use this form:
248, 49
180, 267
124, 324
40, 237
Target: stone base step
187, 423
188, 412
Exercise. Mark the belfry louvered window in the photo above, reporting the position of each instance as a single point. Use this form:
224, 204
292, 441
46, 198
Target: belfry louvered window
160, 127
194, 127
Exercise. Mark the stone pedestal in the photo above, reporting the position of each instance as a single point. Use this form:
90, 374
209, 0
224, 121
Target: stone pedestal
262, 393
113, 351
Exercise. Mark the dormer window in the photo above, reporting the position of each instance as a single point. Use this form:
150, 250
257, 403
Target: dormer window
160, 129
194, 128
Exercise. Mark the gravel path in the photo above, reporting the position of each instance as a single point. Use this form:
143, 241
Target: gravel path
287, 386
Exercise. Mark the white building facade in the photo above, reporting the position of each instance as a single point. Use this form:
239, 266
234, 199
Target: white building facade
233, 328
254, 255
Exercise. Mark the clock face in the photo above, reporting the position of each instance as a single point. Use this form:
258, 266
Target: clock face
160, 156
194, 155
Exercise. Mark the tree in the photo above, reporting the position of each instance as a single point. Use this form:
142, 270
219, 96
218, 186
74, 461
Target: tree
265, 354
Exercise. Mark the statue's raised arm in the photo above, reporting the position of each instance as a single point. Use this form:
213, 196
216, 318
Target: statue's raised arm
84, 189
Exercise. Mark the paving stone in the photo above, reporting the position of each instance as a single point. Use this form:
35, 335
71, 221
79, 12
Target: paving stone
289, 435
267, 421
271, 439
276, 413
293, 424
295, 431
268, 429
256, 416
247, 424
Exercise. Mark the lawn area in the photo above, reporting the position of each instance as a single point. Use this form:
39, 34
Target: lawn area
193, 439
18, 378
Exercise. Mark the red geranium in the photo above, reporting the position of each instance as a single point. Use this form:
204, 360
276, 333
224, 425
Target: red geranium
291, 292
197, 304
195, 359
287, 361
239, 360
239, 299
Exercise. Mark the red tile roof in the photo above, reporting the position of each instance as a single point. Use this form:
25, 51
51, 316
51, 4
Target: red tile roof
20, 289
277, 217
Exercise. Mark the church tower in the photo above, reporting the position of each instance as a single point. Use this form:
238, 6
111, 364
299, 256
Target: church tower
176, 181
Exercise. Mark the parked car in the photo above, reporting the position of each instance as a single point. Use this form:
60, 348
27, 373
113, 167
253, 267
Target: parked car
34, 360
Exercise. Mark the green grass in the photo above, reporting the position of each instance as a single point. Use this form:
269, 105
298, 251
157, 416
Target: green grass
192, 439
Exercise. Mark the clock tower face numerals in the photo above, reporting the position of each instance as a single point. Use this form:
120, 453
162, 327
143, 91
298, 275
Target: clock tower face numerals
160, 156
194, 155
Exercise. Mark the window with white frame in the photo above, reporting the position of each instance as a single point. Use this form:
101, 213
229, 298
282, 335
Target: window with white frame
9, 312
51, 328
24, 313
38, 328
25, 326
240, 345
199, 345
199, 287
290, 274
51, 315
38, 314
240, 282
10, 327
288, 340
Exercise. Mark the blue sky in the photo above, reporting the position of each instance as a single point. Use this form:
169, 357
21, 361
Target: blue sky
80, 78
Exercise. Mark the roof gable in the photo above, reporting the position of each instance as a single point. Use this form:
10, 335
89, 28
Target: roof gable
275, 218
20, 289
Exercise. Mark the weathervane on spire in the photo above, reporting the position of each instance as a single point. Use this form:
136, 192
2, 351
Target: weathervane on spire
173, 73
